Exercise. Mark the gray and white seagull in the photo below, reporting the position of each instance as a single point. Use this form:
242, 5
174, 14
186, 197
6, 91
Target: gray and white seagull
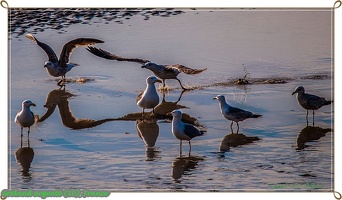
171, 71
163, 72
232, 113
183, 131
309, 101
25, 118
149, 98
59, 67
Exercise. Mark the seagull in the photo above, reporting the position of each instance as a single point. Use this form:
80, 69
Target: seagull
161, 71
309, 101
149, 98
25, 118
232, 113
59, 67
170, 71
183, 131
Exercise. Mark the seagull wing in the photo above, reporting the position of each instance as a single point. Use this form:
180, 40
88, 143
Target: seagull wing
48, 50
139, 97
239, 113
192, 131
314, 101
70, 46
187, 70
107, 55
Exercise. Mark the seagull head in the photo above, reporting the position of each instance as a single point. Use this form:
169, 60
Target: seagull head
299, 90
48, 64
28, 103
220, 98
149, 65
176, 114
152, 79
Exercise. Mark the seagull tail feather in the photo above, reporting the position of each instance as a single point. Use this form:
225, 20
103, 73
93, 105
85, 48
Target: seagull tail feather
328, 102
256, 116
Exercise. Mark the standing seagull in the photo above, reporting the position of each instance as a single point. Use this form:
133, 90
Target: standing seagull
183, 131
25, 118
232, 113
161, 71
149, 98
309, 101
59, 67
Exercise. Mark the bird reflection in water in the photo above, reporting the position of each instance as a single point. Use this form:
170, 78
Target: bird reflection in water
184, 166
310, 133
234, 140
148, 131
24, 156
60, 98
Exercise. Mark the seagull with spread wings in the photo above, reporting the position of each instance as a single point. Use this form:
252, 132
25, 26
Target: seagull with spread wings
59, 67
163, 72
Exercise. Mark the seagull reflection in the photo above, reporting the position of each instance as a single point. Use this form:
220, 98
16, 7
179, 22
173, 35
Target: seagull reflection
148, 131
60, 98
184, 166
310, 133
166, 106
24, 156
234, 140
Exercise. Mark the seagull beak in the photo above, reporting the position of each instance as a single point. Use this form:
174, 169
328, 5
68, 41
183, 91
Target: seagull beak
214, 98
294, 92
32, 104
159, 81
143, 66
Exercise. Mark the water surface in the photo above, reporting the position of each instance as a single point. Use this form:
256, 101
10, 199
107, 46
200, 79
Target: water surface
111, 155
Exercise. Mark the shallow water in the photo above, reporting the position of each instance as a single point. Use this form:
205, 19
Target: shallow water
111, 155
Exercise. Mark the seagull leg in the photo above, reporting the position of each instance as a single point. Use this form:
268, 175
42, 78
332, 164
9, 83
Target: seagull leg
21, 131
231, 127
180, 147
238, 128
61, 82
190, 148
163, 83
21, 141
28, 132
313, 117
307, 120
181, 84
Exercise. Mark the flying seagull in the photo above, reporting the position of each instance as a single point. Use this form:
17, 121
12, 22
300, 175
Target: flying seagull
183, 131
309, 101
232, 113
59, 67
161, 71
149, 98
25, 118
